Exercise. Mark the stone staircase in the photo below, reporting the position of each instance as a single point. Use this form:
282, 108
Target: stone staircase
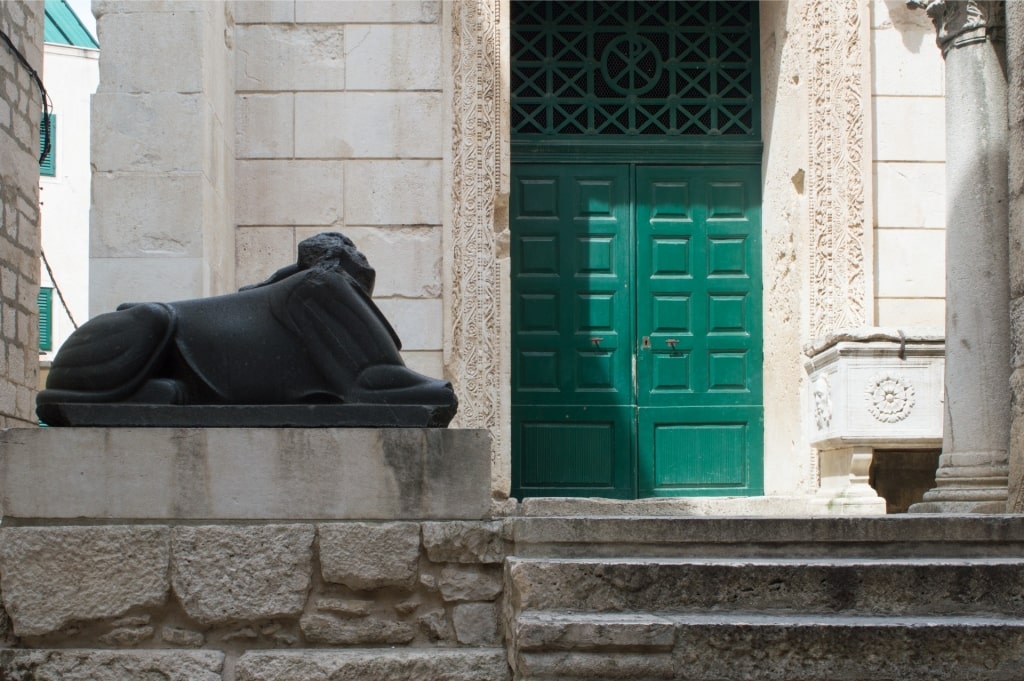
808, 599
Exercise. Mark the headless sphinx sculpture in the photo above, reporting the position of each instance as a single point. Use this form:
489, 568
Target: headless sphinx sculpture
306, 347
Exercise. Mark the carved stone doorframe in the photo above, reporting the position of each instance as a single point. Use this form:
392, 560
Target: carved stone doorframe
476, 168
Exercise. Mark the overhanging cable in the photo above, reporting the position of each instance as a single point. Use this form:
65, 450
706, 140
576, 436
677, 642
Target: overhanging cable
56, 288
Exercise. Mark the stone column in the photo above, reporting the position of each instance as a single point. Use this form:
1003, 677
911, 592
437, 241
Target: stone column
1015, 101
973, 468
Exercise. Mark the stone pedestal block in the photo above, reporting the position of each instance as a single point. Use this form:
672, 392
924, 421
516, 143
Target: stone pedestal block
242, 473
870, 389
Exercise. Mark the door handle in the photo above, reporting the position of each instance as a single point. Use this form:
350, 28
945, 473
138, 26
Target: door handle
672, 342
596, 340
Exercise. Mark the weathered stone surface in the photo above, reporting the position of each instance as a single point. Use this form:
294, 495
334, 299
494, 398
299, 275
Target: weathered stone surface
346, 607
127, 636
458, 583
464, 542
183, 638
110, 665
617, 665
224, 574
369, 555
52, 576
476, 624
243, 473
435, 625
582, 631
392, 665
343, 631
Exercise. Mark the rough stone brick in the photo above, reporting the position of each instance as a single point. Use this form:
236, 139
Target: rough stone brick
460, 583
476, 624
183, 638
464, 542
370, 555
344, 631
55, 575
110, 665
224, 574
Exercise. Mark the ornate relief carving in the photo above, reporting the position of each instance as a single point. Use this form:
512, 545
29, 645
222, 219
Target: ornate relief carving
962, 22
890, 397
837, 174
474, 300
822, 391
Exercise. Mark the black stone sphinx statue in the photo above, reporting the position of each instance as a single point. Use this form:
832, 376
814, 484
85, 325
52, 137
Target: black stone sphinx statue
306, 347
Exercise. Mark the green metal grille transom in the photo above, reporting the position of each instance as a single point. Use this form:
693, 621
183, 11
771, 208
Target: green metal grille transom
634, 68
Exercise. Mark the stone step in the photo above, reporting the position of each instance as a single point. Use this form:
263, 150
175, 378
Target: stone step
374, 664
752, 647
890, 587
929, 535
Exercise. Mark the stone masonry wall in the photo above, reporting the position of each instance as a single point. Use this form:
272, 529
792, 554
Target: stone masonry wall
20, 111
339, 127
248, 602
1015, 105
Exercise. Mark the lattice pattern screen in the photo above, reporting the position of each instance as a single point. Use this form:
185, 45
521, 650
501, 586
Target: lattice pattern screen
634, 68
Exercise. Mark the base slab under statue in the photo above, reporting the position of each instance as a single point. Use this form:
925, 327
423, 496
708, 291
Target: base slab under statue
247, 416
220, 474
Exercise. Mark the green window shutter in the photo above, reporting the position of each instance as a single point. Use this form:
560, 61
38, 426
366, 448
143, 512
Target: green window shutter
49, 166
45, 302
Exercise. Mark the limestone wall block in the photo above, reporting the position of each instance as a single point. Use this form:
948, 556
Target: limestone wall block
51, 576
464, 583
400, 192
899, 69
104, 7
395, 665
150, 132
265, 125
909, 312
910, 263
910, 195
223, 574
264, 11
368, 125
261, 251
417, 322
113, 281
147, 42
464, 542
910, 129
392, 57
148, 217
369, 555
407, 259
110, 665
476, 624
428, 363
362, 12
289, 57
289, 192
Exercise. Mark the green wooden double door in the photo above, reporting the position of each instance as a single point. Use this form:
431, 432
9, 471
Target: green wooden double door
636, 330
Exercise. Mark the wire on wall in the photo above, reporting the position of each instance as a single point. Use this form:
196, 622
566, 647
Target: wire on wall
46, 145
56, 287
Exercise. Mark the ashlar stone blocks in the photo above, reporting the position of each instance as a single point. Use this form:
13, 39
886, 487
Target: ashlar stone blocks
51, 576
224, 574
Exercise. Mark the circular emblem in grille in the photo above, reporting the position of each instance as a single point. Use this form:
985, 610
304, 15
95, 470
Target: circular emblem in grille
631, 64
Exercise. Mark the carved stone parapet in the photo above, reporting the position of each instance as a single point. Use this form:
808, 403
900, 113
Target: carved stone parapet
870, 388
964, 22
876, 387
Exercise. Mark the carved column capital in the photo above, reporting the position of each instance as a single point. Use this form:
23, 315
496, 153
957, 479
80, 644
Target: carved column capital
964, 22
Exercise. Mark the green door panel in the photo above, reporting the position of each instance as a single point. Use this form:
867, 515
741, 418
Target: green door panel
699, 322
707, 451
574, 451
572, 329
636, 330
